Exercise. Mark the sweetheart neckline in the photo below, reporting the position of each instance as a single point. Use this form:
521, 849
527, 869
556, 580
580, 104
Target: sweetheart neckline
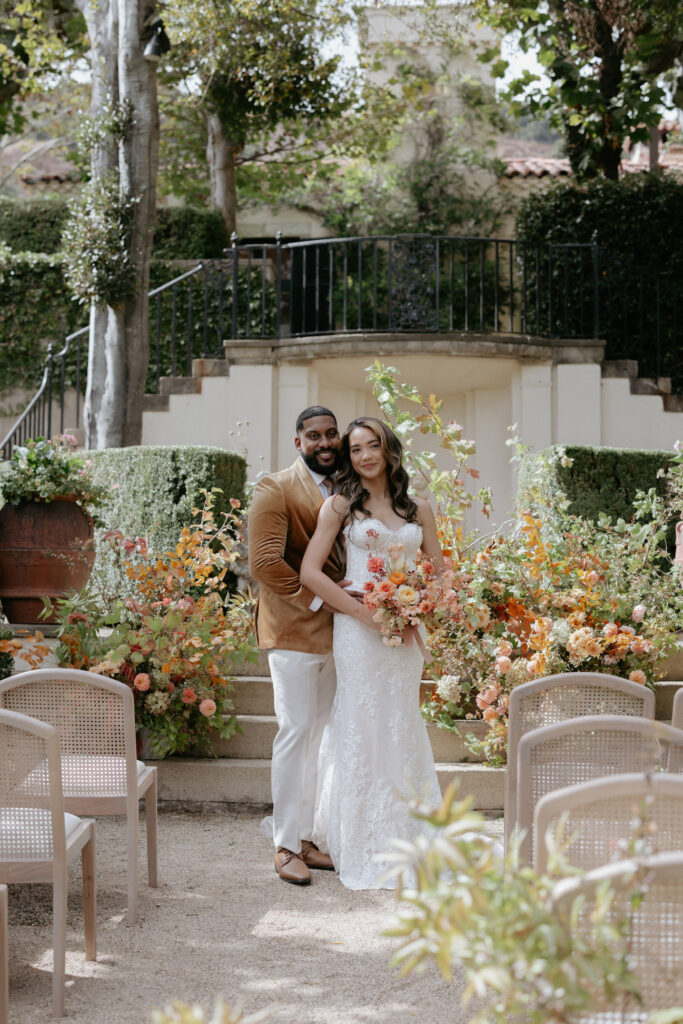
374, 519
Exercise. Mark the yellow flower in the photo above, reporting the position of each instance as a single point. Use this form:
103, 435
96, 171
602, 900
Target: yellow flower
407, 595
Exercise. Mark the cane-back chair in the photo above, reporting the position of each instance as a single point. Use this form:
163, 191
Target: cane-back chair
37, 838
95, 717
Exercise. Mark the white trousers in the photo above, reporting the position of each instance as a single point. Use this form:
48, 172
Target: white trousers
303, 689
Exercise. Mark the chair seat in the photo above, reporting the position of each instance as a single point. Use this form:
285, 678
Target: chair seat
21, 829
90, 775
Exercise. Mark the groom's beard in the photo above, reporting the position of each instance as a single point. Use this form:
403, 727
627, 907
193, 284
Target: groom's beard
328, 468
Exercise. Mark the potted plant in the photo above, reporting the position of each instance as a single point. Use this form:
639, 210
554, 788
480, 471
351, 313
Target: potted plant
46, 529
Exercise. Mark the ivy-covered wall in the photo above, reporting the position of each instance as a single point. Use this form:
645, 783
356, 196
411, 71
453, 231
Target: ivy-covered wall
36, 305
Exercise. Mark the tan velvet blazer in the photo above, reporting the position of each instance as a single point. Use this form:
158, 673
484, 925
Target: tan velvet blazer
282, 520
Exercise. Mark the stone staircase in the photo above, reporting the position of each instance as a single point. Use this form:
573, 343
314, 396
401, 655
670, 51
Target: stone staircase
240, 773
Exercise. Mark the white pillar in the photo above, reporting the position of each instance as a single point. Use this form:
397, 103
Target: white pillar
576, 404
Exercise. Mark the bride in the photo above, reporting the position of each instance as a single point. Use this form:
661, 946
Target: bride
375, 750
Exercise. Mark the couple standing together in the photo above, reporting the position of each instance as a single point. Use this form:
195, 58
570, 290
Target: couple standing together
351, 741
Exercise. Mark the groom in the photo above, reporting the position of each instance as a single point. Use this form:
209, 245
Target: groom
296, 630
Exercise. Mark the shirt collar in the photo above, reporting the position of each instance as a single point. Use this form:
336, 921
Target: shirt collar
318, 477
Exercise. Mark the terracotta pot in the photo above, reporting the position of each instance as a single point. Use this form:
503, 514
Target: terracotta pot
46, 550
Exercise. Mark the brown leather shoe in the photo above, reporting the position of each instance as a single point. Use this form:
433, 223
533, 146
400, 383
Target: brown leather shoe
314, 858
291, 868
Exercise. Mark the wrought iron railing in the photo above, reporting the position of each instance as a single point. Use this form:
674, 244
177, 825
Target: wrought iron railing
396, 284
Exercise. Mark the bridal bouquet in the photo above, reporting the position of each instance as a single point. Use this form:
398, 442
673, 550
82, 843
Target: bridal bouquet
405, 595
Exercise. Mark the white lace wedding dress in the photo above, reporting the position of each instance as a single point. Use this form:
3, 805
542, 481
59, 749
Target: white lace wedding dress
375, 750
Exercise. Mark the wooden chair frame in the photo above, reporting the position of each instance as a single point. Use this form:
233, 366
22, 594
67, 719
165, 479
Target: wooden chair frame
655, 732
631, 787
611, 686
139, 782
65, 847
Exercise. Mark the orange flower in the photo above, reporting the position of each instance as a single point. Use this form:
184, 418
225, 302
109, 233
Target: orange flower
397, 578
188, 696
386, 587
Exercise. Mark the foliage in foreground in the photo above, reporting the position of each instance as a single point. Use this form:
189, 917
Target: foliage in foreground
176, 639
474, 908
181, 1013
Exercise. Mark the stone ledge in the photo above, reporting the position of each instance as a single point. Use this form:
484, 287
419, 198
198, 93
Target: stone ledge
251, 351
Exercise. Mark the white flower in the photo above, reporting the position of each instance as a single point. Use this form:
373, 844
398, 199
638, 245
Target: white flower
448, 688
561, 631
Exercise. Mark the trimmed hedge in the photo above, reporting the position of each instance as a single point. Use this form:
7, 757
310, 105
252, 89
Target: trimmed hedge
153, 491
154, 488
599, 480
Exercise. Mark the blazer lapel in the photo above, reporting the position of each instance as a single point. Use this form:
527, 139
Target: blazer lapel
308, 484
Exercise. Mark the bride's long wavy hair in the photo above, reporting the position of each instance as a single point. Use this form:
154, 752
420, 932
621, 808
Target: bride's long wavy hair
349, 485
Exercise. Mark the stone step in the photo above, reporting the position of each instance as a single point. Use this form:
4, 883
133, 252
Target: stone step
253, 691
253, 695
247, 781
255, 741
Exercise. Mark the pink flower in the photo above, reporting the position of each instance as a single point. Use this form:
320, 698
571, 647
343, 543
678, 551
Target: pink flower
504, 649
592, 578
207, 707
188, 696
629, 630
141, 681
503, 664
638, 613
637, 676
610, 629
375, 564
641, 646
490, 714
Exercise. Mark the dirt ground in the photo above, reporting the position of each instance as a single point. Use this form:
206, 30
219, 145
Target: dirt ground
221, 922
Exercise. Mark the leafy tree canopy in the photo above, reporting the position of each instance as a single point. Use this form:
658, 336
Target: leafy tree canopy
606, 61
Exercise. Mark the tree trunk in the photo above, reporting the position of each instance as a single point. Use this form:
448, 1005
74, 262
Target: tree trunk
103, 32
127, 335
221, 154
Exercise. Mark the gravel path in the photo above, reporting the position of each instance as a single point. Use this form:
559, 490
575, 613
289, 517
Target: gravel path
221, 922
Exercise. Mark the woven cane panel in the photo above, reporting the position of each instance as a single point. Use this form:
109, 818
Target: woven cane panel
578, 757
25, 831
557, 703
657, 951
91, 729
606, 825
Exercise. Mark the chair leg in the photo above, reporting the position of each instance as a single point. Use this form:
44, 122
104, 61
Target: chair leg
4, 972
89, 897
59, 894
132, 835
151, 830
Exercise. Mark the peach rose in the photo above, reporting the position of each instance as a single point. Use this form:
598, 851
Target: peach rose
141, 682
637, 676
503, 664
207, 707
407, 595
610, 629
490, 714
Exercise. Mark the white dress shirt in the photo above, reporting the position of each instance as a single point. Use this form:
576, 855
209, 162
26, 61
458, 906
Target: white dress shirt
319, 479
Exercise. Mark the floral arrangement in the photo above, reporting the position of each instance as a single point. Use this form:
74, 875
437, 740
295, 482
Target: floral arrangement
44, 470
181, 1013
176, 639
31, 647
556, 593
401, 594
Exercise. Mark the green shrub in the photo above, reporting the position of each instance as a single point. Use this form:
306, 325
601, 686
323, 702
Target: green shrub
598, 480
189, 233
636, 222
32, 225
639, 215
153, 491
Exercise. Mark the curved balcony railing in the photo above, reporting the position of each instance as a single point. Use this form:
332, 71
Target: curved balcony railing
396, 284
